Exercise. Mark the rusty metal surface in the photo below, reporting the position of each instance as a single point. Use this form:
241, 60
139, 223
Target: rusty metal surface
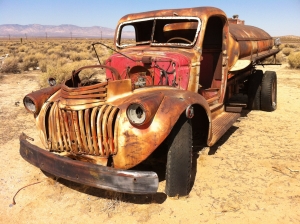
248, 33
200, 12
135, 144
105, 130
89, 131
40, 96
221, 124
247, 41
127, 181
193, 52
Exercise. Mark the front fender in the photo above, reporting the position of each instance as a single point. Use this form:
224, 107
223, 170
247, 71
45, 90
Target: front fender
135, 144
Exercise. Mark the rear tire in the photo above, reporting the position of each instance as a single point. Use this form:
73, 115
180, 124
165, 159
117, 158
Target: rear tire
254, 92
269, 91
179, 162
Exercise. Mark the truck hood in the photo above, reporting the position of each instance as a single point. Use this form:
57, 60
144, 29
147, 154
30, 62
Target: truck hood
152, 67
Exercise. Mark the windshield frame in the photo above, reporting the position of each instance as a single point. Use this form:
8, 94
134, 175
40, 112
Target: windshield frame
151, 42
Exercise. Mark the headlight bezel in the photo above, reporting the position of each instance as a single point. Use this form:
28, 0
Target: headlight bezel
29, 104
136, 114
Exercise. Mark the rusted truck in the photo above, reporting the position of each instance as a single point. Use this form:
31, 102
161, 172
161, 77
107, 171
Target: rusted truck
169, 86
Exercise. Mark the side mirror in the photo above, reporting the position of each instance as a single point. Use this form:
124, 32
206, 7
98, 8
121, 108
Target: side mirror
52, 81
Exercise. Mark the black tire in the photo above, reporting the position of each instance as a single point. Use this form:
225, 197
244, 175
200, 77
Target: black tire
269, 91
254, 90
179, 161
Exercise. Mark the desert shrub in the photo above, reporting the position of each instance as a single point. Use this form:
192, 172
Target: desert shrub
29, 61
57, 50
279, 58
294, 60
281, 46
291, 45
23, 48
21, 56
286, 51
3, 50
10, 65
43, 64
53, 57
74, 56
61, 72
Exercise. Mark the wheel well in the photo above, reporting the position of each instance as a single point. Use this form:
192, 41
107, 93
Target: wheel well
200, 125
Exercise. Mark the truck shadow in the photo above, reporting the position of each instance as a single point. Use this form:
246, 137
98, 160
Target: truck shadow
157, 198
213, 149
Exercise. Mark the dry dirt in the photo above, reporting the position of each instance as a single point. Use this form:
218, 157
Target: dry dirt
252, 175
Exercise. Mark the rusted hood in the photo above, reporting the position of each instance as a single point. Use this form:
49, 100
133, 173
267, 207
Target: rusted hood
157, 66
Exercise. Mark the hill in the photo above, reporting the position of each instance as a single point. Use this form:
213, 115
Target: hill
65, 30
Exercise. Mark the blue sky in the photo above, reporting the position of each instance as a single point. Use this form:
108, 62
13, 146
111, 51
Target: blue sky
277, 17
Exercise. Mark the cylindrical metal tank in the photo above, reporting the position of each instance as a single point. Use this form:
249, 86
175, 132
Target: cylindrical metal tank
245, 41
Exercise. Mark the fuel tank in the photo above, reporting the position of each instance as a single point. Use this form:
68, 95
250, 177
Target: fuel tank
245, 41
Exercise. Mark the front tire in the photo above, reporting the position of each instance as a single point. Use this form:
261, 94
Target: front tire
269, 91
179, 161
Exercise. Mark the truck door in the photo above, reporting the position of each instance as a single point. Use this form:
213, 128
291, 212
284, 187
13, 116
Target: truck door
213, 60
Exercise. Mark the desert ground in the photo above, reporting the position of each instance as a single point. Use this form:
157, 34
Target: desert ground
252, 174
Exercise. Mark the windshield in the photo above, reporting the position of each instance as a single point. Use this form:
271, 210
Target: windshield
159, 31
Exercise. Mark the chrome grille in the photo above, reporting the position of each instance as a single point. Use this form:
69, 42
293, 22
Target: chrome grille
89, 131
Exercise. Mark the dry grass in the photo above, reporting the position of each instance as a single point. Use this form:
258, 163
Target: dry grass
286, 51
280, 58
11, 65
60, 71
290, 52
290, 39
294, 60
55, 58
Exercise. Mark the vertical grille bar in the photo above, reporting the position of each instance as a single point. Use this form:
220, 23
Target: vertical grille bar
116, 134
110, 129
94, 130
104, 128
52, 136
58, 133
74, 144
63, 131
65, 121
77, 132
82, 131
99, 129
88, 131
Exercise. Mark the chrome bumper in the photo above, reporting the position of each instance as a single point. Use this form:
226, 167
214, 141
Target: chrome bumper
126, 181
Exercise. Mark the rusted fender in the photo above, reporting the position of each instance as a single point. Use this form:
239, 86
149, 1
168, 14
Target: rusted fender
136, 143
39, 97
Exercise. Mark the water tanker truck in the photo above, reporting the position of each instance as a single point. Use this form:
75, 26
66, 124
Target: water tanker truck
170, 87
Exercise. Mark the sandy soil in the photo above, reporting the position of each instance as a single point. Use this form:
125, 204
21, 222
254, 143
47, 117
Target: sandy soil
250, 176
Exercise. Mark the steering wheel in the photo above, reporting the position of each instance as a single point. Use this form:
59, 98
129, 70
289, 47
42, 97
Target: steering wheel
179, 38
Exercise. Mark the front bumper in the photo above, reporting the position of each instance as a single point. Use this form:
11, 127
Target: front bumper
126, 181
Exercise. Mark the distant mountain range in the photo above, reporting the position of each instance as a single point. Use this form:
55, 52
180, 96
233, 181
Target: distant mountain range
37, 30
67, 30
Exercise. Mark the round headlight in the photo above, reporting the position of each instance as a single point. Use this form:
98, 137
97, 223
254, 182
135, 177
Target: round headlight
29, 105
136, 114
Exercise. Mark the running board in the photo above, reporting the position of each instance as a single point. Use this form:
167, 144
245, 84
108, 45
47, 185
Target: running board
221, 124
235, 107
